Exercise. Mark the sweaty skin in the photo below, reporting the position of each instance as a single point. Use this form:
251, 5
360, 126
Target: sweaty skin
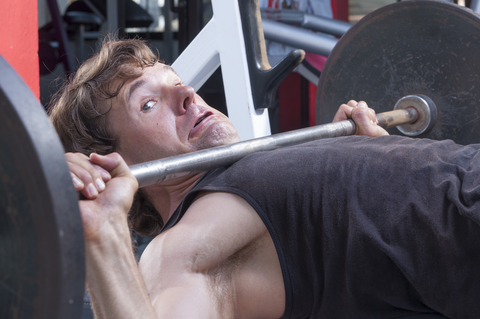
219, 261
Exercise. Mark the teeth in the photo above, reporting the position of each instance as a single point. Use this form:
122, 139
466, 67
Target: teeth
200, 119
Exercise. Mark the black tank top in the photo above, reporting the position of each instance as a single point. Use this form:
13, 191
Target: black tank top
366, 228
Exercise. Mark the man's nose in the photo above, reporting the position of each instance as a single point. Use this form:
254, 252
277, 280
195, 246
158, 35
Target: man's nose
186, 97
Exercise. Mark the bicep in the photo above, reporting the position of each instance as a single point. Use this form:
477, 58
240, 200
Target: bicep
220, 225
181, 266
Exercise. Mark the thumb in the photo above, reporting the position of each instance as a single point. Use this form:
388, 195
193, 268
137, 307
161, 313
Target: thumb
362, 117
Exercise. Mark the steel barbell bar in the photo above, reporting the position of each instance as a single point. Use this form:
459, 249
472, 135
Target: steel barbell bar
413, 115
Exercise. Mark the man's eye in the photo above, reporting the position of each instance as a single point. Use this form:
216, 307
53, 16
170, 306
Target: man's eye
147, 106
179, 84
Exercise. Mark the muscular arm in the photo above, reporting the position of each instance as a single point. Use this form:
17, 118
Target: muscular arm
208, 266
217, 262
113, 280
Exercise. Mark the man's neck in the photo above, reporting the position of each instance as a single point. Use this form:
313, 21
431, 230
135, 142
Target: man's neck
166, 196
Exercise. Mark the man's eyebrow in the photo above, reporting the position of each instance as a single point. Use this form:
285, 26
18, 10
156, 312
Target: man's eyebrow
133, 87
139, 83
169, 68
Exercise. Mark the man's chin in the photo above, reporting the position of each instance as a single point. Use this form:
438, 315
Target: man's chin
216, 137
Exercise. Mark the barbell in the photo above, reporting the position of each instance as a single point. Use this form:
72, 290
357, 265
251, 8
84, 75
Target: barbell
413, 114
42, 268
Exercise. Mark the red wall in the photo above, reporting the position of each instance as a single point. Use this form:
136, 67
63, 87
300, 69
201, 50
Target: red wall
19, 39
340, 9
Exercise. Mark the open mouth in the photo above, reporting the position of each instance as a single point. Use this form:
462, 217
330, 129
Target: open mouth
202, 118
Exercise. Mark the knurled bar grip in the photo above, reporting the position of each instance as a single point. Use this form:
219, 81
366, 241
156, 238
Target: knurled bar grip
165, 169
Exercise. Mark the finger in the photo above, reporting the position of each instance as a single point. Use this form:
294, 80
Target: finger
116, 166
103, 173
371, 112
89, 173
362, 115
352, 103
86, 177
89, 186
77, 182
113, 163
83, 161
344, 112
372, 115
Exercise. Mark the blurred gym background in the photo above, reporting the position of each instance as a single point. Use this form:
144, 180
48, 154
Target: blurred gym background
169, 25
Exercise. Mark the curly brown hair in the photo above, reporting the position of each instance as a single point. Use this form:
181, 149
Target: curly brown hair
78, 111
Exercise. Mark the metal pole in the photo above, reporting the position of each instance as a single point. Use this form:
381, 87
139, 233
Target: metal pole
330, 26
158, 171
298, 38
309, 21
475, 6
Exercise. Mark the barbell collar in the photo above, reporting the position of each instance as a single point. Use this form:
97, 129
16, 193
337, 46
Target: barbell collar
427, 114
157, 171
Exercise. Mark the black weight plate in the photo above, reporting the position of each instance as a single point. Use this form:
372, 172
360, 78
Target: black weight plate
42, 267
410, 47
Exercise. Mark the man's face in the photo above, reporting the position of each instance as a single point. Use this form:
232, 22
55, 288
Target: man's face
156, 116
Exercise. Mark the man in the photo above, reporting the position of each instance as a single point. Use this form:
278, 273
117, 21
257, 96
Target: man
302, 232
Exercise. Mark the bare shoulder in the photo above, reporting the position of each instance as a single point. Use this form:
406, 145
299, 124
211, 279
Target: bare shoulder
216, 226
222, 247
